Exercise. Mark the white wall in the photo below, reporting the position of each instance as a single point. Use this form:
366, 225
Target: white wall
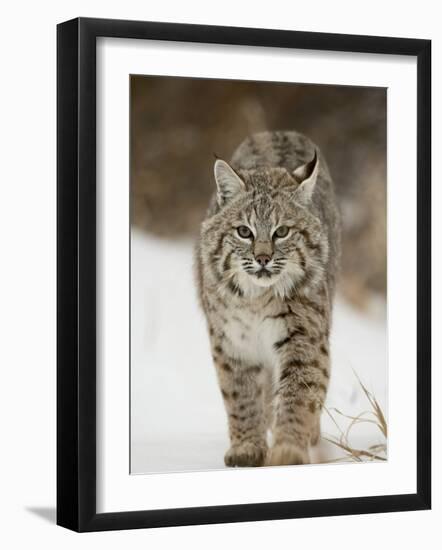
27, 286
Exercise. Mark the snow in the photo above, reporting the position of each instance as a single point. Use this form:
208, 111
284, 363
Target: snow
178, 421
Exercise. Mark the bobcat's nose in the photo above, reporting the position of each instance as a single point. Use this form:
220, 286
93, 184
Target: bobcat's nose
263, 259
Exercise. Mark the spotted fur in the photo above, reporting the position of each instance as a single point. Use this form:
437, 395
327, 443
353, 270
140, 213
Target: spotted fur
268, 300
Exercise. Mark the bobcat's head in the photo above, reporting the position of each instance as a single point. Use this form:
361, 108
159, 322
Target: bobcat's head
264, 233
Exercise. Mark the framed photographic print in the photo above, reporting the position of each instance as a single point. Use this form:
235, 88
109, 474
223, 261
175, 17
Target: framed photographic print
243, 274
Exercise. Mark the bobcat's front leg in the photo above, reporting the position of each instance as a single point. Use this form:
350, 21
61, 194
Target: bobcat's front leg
242, 390
302, 387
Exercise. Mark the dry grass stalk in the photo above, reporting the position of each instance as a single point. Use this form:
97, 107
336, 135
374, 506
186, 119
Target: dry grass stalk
375, 416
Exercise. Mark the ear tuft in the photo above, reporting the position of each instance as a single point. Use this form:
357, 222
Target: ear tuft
227, 180
306, 175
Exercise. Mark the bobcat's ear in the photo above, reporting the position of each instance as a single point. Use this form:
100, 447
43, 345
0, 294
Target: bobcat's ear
306, 175
228, 182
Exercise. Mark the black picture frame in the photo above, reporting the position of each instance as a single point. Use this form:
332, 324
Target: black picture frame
76, 273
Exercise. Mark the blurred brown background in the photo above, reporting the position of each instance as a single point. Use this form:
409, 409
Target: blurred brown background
177, 124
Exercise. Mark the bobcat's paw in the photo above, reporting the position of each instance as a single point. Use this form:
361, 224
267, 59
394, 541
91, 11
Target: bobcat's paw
247, 453
284, 454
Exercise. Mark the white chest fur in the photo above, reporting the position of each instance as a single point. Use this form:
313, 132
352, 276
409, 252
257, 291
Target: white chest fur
250, 337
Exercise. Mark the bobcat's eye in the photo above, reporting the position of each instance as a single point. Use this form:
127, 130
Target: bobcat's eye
244, 232
281, 232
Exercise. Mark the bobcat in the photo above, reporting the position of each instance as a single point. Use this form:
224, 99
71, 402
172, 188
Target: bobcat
267, 261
